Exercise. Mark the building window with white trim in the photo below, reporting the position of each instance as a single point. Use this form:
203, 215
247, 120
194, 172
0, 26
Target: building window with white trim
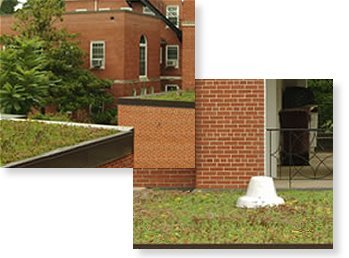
97, 54
171, 87
143, 57
172, 13
172, 56
146, 10
81, 10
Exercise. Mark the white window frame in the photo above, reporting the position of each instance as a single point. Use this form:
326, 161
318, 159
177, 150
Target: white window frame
171, 85
145, 56
167, 47
81, 10
144, 91
91, 51
104, 9
167, 13
146, 10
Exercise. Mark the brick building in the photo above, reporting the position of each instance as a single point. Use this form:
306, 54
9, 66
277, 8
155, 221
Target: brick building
141, 45
231, 140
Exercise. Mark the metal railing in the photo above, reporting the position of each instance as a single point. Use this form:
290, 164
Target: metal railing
299, 154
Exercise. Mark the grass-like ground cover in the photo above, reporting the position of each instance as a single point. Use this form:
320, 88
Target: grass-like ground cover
25, 139
187, 96
210, 217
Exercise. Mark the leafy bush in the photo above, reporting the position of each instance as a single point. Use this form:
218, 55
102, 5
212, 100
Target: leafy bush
327, 126
24, 82
8, 6
60, 59
105, 117
323, 91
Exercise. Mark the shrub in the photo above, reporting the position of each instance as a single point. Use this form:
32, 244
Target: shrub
64, 117
108, 117
24, 82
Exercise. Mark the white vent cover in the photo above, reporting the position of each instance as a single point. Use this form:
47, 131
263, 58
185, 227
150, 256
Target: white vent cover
260, 193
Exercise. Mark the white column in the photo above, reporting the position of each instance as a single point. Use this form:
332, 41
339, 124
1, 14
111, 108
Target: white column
273, 99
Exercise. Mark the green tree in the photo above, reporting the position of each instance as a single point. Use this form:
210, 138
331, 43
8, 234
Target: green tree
38, 18
8, 6
24, 80
77, 88
323, 91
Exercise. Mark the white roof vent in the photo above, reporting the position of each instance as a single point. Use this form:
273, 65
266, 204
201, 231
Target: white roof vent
260, 193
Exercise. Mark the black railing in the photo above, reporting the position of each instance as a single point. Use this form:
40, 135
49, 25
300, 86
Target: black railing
300, 154
156, 7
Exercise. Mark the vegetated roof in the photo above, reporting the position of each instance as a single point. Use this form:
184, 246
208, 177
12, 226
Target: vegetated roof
211, 217
24, 139
186, 96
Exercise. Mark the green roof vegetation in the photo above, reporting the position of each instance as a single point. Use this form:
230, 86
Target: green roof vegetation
24, 139
211, 217
187, 96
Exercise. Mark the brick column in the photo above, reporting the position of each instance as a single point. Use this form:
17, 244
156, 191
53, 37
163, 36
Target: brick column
188, 45
229, 132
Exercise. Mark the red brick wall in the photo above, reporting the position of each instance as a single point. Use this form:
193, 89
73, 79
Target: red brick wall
137, 25
229, 132
121, 33
170, 82
163, 137
88, 27
126, 89
229, 138
188, 46
188, 60
72, 5
125, 162
6, 22
169, 178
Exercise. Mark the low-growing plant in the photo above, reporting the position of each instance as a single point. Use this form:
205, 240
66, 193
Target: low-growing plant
64, 117
25, 139
211, 217
185, 95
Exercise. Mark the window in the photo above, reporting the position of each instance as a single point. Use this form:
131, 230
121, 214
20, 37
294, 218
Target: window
143, 57
172, 13
172, 56
97, 55
81, 10
146, 10
171, 87
143, 91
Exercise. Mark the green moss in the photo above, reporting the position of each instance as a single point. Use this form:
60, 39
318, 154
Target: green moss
187, 96
24, 139
175, 217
